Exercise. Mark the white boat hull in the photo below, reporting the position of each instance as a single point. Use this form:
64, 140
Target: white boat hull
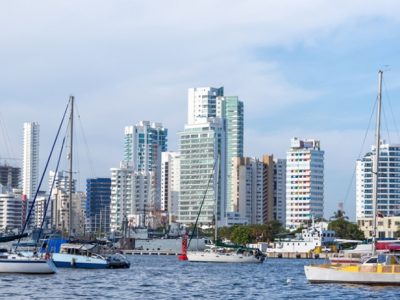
27, 265
317, 274
215, 257
64, 260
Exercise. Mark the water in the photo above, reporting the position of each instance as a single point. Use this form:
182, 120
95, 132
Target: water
164, 277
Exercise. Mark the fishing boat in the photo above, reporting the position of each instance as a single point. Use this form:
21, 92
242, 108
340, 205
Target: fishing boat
379, 269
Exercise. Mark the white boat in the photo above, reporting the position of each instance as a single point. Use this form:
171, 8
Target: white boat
79, 256
377, 270
226, 257
17, 263
382, 269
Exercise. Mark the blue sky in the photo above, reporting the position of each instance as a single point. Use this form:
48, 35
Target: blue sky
303, 68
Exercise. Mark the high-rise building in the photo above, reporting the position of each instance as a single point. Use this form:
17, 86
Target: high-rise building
202, 103
202, 144
10, 176
268, 187
170, 183
97, 210
132, 194
143, 145
61, 181
280, 190
304, 182
388, 182
10, 209
230, 108
247, 182
30, 162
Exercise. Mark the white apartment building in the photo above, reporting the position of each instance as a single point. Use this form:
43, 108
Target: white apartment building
170, 183
304, 182
202, 103
280, 190
388, 182
30, 164
132, 193
247, 182
10, 209
202, 143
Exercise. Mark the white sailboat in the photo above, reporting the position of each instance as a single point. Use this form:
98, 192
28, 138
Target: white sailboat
18, 263
222, 255
381, 269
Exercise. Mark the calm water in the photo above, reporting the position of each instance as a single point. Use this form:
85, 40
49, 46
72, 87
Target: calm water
163, 277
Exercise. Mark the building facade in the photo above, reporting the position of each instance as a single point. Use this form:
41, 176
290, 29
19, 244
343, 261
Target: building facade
97, 208
388, 182
30, 163
386, 227
143, 145
202, 103
304, 182
280, 191
268, 188
202, 156
230, 109
170, 183
10, 176
247, 182
10, 209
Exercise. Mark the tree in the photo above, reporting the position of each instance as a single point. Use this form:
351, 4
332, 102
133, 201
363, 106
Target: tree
345, 229
240, 235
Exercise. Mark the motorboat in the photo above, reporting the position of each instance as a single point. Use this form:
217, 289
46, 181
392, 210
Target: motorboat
222, 256
382, 269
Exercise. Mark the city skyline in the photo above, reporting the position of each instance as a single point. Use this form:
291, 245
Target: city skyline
314, 80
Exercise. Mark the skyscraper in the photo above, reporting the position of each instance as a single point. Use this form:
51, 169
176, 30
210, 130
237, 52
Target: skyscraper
202, 144
304, 182
388, 182
10, 176
247, 182
230, 108
170, 183
30, 165
202, 103
98, 198
143, 145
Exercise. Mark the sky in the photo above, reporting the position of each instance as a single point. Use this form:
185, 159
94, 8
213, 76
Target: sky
302, 68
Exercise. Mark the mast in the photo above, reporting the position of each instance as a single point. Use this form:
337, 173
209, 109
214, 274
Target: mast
216, 190
71, 120
375, 164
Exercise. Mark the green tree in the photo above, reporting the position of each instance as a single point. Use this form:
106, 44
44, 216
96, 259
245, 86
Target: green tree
345, 229
240, 235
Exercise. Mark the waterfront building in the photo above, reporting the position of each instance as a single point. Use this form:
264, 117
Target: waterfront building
202, 143
202, 103
170, 183
386, 226
132, 193
143, 145
304, 182
268, 188
61, 213
97, 208
247, 182
230, 109
10, 176
30, 163
10, 209
280, 190
40, 207
388, 182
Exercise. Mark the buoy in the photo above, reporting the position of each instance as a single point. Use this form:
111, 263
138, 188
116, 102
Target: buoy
183, 255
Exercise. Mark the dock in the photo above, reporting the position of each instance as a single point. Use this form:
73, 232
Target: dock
299, 255
149, 252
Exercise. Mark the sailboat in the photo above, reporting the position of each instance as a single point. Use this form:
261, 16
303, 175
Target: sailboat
215, 254
379, 269
71, 256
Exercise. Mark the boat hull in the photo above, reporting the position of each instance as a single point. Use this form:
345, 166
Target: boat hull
326, 274
222, 257
27, 266
62, 260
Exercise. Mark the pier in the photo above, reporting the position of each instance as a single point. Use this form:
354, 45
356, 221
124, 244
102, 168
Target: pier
149, 252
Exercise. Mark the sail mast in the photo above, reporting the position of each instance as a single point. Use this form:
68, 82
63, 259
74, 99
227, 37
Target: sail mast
71, 120
375, 165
